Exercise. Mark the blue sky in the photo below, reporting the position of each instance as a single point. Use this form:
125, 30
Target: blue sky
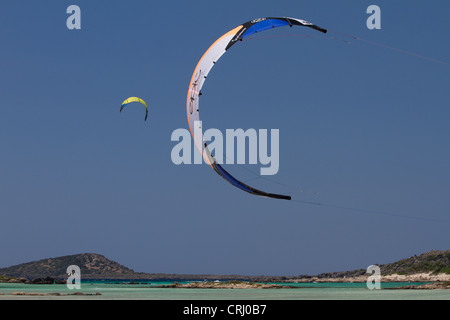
364, 126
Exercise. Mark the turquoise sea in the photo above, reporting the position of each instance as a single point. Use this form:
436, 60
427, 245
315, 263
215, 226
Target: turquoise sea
145, 290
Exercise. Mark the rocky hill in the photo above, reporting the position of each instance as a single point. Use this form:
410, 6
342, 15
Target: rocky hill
434, 262
91, 265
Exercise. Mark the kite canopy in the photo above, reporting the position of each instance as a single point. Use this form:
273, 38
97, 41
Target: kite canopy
204, 66
135, 99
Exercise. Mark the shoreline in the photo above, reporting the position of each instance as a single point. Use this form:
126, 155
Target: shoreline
418, 277
441, 285
427, 280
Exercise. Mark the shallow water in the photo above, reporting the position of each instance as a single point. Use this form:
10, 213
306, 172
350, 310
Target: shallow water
150, 291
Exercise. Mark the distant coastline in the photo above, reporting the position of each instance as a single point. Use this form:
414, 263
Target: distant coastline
430, 267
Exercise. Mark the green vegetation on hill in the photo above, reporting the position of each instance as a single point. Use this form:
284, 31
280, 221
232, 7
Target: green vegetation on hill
90, 265
433, 262
4, 278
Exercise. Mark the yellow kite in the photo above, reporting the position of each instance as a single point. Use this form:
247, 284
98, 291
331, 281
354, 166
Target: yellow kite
135, 99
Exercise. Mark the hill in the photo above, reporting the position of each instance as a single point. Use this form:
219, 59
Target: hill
96, 266
434, 262
90, 264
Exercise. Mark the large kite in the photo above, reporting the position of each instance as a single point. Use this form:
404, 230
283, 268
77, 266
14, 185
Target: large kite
204, 66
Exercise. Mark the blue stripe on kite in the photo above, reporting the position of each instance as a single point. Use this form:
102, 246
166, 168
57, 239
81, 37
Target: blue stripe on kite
264, 25
232, 180
279, 23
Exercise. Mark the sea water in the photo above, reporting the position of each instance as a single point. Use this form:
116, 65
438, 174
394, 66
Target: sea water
149, 290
